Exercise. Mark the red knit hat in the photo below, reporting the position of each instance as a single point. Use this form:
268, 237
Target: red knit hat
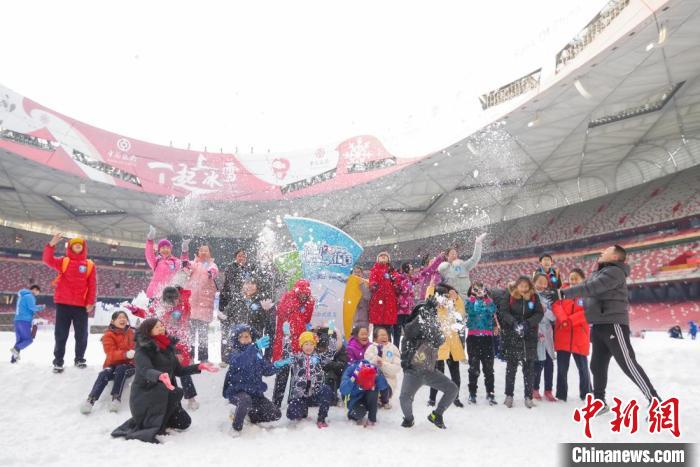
365, 377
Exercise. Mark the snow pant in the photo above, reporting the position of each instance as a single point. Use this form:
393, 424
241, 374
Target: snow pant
258, 408
23, 334
453, 366
512, 368
298, 408
413, 380
225, 336
199, 333
584, 377
367, 405
280, 386
65, 315
188, 388
175, 415
613, 340
480, 352
118, 373
385, 395
548, 365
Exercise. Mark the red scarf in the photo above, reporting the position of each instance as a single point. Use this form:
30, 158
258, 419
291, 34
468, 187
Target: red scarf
162, 341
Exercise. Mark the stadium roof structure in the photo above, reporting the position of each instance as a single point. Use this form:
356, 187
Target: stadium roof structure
617, 107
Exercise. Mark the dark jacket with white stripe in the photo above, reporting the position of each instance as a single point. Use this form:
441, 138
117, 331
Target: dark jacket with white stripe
606, 290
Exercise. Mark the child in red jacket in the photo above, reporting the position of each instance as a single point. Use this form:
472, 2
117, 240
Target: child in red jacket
385, 285
76, 287
572, 338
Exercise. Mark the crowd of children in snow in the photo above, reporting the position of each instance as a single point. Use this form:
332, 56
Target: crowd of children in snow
431, 314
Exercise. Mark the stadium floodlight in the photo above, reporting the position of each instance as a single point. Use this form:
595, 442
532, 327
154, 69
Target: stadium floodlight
649, 46
654, 104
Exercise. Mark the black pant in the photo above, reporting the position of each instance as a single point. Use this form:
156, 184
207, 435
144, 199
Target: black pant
548, 366
584, 377
175, 415
199, 332
225, 336
280, 386
299, 408
453, 366
512, 368
258, 408
480, 352
398, 328
613, 340
366, 406
385, 395
188, 387
65, 315
119, 374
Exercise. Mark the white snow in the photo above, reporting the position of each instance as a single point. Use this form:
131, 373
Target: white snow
40, 422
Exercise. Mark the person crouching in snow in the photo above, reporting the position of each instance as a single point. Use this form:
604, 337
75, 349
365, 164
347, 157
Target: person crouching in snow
294, 313
24, 314
118, 344
482, 324
387, 358
244, 386
519, 314
359, 341
164, 265
360, 387
307, 386
155, 397
419, 351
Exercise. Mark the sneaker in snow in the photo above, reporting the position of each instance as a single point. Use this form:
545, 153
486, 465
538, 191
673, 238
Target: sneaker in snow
57, 368
536, 394
508, 402
436, 419
472, 399
492, 399
370, 424
86, 407
605, 409
549, 396
407, 422
431, 403
321, 424
458, 403
192, 404
386, 406
15, 355
115, 405
529, 403
81, 363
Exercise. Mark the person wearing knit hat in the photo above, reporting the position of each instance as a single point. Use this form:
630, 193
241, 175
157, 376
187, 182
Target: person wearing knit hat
308, 387
164, 265
360, 388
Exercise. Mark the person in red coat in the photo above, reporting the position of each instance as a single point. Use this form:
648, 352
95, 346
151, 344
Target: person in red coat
384, 284
572, 338
76, 288
294, 313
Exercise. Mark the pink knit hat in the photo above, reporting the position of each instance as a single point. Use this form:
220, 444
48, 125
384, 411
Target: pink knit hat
164, 242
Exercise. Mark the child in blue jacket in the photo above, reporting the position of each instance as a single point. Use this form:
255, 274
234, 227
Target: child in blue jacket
360, 388
24, 314
483, 326
244, 384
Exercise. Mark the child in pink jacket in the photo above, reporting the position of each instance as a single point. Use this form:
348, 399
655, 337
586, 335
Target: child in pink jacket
164, 264
203, 273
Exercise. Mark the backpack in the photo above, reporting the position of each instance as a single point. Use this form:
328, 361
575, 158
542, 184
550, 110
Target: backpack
64, 267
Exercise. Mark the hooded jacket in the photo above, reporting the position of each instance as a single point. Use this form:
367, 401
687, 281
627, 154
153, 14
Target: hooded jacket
514, 309
307, 371
201, 283
164, 269
351, 391
26, 306
384, 284
246, 366
116, 342
75, 286
606, 290
422, 338
571, 332
295, 312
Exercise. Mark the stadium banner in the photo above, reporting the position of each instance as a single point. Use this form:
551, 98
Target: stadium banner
327, 256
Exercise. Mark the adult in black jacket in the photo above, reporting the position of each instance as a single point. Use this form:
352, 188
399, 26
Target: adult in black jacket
234, 275
419, 349
250, 308
607, 310
155, 397
519, 314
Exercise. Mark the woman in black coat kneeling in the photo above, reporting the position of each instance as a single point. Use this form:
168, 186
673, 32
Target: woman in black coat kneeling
155, 398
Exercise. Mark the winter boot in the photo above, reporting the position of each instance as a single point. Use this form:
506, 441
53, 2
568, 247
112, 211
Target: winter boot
550, 397
407, 422
58, 367
115, 404
436, 419
529, 403
536, 394
192, 404
472, 399
508, 402
492, 399
15, 355
86, 407
458, 403
81, 363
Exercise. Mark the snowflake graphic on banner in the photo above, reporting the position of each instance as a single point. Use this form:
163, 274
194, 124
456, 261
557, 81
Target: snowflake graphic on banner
359, 152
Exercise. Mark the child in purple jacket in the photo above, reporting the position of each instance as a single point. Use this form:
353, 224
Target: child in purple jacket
359, 341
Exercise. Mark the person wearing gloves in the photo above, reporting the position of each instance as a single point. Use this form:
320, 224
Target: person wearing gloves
545, 344
482, 324
202, 284
294, 313
387, 358
24, 314
163, 264
455, 272
76, 288
306, 366
248, 308
118, 344
384, 285
244, 386
519, 314
155, 398
360, 387
419, 352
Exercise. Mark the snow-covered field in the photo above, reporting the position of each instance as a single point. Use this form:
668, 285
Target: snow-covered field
40, 423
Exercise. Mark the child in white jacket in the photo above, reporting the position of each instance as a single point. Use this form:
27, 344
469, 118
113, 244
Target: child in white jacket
387, 357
